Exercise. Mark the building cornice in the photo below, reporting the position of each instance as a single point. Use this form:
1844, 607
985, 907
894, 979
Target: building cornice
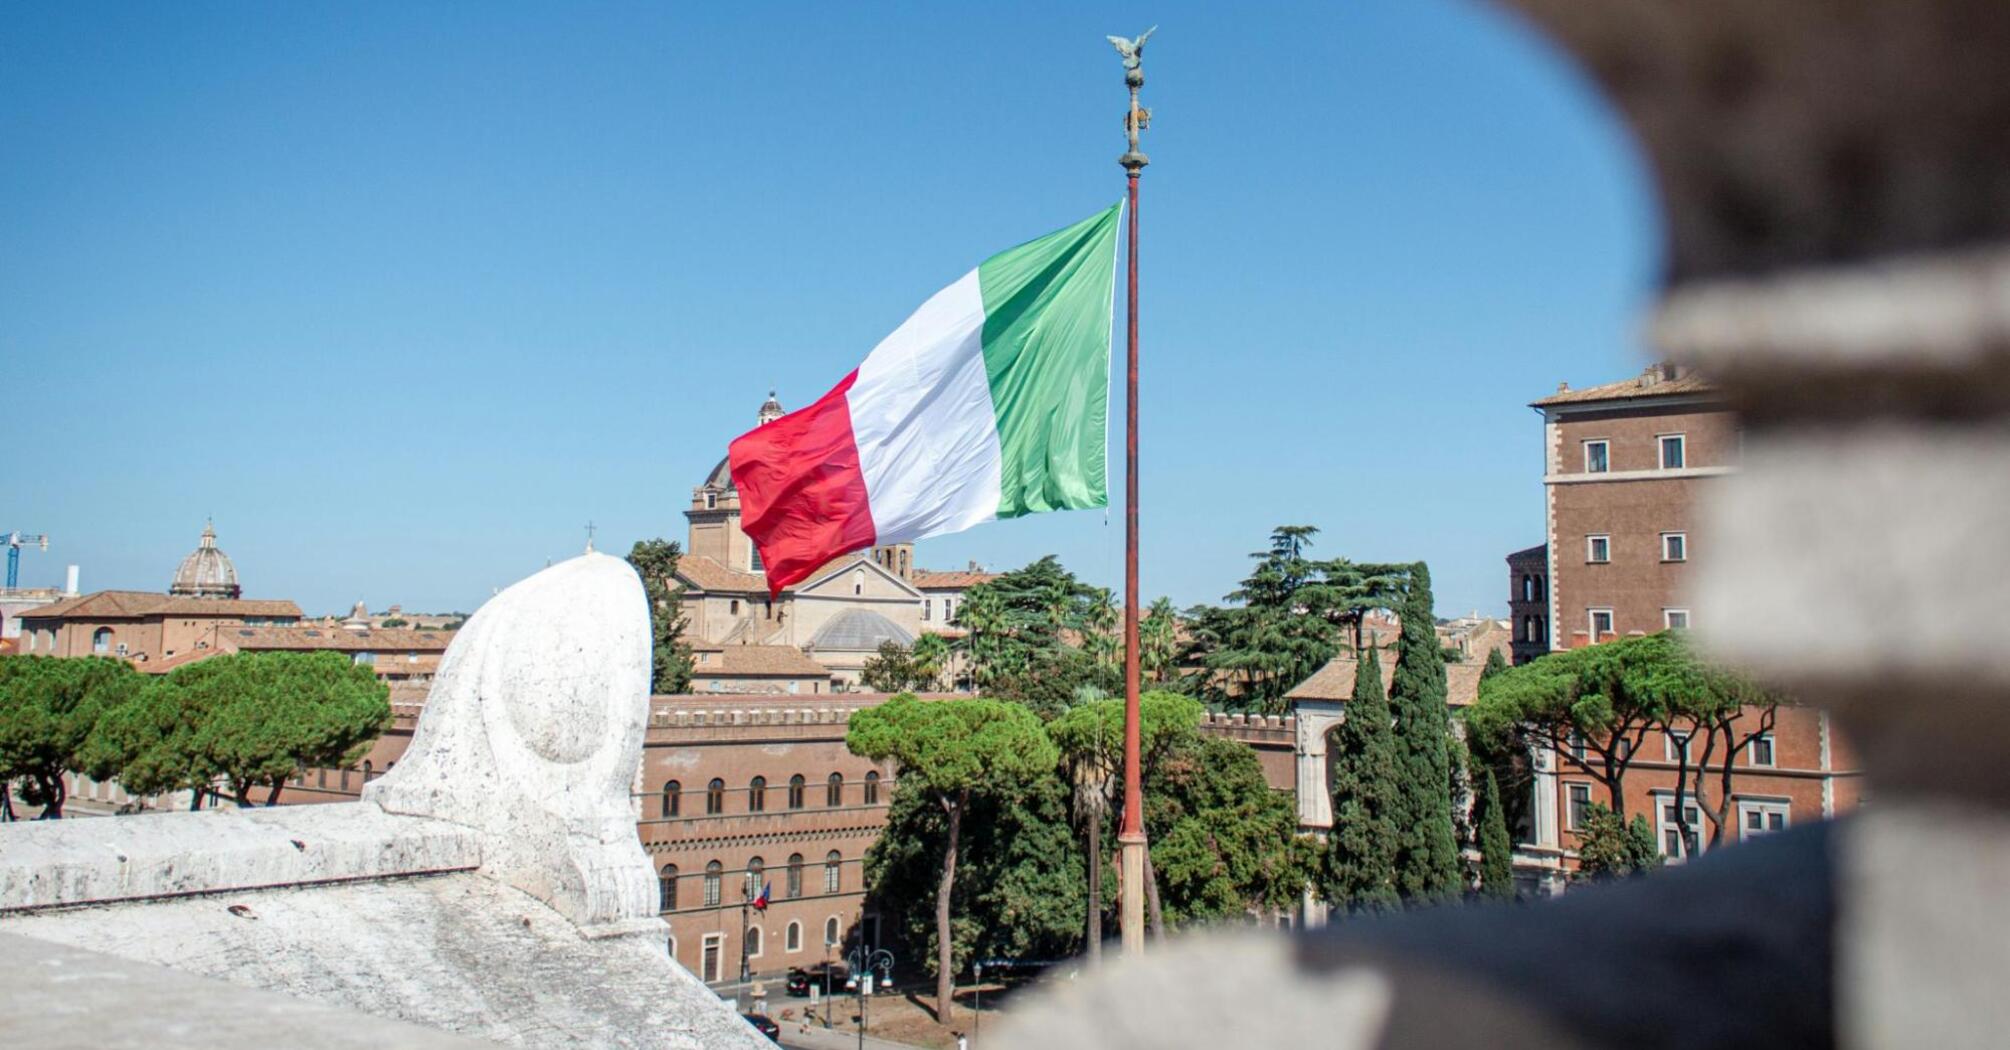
1638, 475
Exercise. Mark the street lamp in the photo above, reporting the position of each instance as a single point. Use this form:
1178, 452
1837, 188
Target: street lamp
863, 962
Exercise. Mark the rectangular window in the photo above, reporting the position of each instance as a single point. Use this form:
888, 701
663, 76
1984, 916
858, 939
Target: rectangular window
1597, 457
1598, 549
927, 608
709, 971
1760, 751
1675, 744
1674, 546
1674, 453
1576, 745
1674, 844
1676, 618
1761, 818
1579, 797
1601, 623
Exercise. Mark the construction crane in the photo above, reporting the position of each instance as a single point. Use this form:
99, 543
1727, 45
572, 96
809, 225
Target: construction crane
15, 541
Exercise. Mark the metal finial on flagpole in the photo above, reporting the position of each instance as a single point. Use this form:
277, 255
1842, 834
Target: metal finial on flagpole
1132, 856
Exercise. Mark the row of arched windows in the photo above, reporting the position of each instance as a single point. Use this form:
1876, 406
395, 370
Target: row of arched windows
712, 890
757, 794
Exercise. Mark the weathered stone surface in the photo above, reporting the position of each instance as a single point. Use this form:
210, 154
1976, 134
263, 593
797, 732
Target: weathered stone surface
533, 733
1191, 994
46, 863
1873, 553
56, 997
541, 932
459, 952
1927, 880
1786, 135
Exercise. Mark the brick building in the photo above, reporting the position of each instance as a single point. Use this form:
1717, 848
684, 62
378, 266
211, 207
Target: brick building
1626, 466
737, 792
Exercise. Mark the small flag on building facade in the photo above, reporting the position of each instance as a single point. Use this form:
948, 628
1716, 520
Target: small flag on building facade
761, 902
992, 401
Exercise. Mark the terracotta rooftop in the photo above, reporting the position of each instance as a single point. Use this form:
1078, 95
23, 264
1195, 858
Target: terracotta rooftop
1644, 385
958, 579
755, 661
706, 574
1335, 681
134, 604
377, 639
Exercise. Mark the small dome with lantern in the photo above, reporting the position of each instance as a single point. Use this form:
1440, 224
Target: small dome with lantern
206, 572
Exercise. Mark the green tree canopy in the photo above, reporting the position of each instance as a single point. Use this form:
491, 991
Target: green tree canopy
1366, 780
1611, 846
1427, 865
951, 751
1595, 705
1288, 617
1496, 848
1223, 842
670, 664
48, 708
251, 719
1037, 634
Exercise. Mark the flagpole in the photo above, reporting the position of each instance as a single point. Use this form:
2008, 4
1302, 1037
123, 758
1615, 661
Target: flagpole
1131, 832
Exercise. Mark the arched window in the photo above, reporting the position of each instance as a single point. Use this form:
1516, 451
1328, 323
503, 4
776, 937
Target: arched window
755, 869
858, 581
833, 871
796, 791
794, 886
757, 795
666, 888
715, 797
733, 607
834, 790
101, 640
831, 931
792, 939
673, 797
368, 772
753, 941
712, 874
872, 788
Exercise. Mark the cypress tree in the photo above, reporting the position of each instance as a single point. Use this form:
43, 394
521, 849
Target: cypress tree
1496, 663
1361, 868
1427, 864
1496, 853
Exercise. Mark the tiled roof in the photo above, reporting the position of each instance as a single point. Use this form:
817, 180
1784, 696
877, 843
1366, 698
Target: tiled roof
379, 640
1539, 551
959, 579
1335, 681
125, 604
1638, 386
706, 574
169, 663
756, 661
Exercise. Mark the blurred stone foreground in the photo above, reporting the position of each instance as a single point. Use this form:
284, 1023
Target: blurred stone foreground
1835, 182
490, 885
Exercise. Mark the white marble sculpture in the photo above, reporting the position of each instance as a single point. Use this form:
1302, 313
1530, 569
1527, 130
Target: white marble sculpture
532, 734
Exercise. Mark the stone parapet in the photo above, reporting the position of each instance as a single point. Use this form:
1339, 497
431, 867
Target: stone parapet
49, 864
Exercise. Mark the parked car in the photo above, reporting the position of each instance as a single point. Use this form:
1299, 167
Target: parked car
764, 1026
802, 979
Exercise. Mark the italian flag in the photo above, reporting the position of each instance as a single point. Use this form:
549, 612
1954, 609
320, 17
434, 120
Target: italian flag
990, 402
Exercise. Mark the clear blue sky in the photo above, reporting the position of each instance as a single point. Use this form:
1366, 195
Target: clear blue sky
405, 294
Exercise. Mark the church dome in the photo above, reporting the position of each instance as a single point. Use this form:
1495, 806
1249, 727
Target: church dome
206, 572
721, 476
859, 631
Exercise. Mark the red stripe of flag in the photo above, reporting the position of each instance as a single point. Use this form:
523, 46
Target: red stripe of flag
802, 491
